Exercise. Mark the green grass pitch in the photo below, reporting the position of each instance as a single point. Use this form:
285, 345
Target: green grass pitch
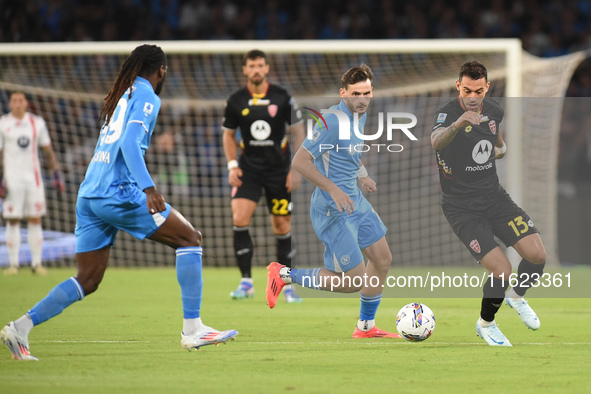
126, 338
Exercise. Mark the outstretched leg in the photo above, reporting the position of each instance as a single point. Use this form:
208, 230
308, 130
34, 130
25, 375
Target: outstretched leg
91, 268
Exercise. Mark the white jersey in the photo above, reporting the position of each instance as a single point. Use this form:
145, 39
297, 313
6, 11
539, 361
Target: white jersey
20, 140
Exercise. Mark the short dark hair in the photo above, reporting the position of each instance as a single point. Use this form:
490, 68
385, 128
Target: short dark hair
356, 74
252, 55
474, 70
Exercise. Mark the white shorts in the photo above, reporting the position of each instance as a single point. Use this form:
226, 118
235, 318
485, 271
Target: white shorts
22, 203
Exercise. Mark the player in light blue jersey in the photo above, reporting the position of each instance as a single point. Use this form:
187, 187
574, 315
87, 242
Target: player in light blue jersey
342, 218
118, 194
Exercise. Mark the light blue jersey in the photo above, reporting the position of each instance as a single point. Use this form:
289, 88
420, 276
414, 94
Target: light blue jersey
112, 197
336, 159
108, 169
344, 235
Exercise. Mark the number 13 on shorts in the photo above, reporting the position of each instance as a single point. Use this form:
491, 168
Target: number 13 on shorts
518, 225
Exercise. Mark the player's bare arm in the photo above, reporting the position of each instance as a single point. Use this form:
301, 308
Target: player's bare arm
231, 152
443, 136
303, 162
367, 183
297, 134
500, 148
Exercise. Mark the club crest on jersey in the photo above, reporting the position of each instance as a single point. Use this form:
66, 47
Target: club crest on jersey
475, 246
272, 110
493, 126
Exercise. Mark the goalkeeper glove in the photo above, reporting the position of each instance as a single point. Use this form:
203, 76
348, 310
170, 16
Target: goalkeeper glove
2, 186
58, 182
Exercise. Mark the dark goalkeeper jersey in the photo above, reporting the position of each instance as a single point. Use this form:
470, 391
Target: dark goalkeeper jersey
467, 165
262, 121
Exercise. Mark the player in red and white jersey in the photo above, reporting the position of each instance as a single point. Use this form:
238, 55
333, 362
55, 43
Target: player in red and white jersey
22, 134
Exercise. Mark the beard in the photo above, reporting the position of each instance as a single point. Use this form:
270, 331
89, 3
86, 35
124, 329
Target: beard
159, 86
257, 80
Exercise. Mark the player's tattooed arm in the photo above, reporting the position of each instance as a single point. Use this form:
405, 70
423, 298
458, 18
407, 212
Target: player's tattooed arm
443, 136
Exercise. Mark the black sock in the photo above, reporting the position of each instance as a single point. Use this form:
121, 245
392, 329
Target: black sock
285, 252
528, 274
492, 299
243, 249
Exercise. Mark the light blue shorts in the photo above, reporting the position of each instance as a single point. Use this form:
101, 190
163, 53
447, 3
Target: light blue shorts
345, 236
99, 219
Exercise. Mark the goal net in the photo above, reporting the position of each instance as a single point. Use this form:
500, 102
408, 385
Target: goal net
66, 84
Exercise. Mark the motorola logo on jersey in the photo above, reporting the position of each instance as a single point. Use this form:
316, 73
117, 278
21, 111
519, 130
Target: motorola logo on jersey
482, 151
260, 131
23, 141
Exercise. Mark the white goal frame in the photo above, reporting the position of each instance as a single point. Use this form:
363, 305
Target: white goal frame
510, 46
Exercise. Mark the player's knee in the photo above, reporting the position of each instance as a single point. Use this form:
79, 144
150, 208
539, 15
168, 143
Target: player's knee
502, 273
240, 221
194, 238
282, 228
537, 257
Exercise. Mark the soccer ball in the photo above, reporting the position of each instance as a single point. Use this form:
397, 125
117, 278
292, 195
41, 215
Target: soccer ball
415, 321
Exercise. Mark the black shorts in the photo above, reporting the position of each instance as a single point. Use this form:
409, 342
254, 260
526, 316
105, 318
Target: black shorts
273, 184
476, 222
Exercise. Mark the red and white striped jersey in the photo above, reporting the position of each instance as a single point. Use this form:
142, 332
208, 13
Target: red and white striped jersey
20, 140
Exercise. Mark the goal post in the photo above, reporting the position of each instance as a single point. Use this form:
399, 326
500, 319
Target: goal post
66, 84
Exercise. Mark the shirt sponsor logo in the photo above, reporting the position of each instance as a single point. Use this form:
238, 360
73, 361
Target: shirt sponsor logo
482, 151
255, 101
23, 141
479, 168
260, 130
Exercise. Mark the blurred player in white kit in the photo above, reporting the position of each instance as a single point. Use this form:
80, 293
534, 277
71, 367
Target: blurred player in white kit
21, 136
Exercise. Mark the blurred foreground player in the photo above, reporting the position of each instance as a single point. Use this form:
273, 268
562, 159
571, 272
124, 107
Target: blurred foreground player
118, 194
467, 141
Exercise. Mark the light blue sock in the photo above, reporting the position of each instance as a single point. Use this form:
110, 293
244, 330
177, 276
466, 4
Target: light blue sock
306, 277
189, 276
369, 306
58, 299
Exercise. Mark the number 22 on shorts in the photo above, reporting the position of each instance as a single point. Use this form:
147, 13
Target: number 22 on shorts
518, 225
280, 207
